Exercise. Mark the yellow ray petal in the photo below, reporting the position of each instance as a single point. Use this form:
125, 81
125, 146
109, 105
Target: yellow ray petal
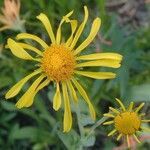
145, 129
119, 136
102, 62
97, 56
44, 19
121, 104
80, 29
131, 106
72, 91
32, 37
74, 24
112, 132
139, 108
114, 110
17, 87
29, 47
67, 114
108, 122
94, 29
135, 137
27, 98
145, 121
142, 114
18, 51
58, 35
41, 86
85, 97
97, 75
109, 115
57, 98
128, 141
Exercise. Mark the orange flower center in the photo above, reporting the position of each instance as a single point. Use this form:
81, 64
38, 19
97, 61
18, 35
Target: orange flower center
58, 62
127, 123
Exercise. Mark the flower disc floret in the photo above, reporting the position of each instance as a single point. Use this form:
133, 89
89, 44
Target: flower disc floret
127, 123
58, 62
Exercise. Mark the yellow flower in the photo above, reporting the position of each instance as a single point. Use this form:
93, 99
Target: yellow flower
60, 62
10, 15
127, 121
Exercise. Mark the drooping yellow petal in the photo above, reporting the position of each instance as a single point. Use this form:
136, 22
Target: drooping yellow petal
142, 114
108, 122
44, 19
145, 129
27, 99
112, 132
128, 141
58, 35
102, 62
29, 47
146, 121
72, 91
67, 114
85, 97
130, 106
121, 104
94, 29
18, 51
80, 29
57, 98
32, 37
135, 137
109, 115
119, 136
74, 24
114, 110
97, 75
97, 56
17, 87
139, 108
41, 86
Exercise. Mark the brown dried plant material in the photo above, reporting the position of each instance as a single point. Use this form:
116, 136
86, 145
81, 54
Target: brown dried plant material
147, 1
130, 12
134, 144
10, 18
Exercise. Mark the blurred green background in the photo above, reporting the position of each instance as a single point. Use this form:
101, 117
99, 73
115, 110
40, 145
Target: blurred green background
125, 29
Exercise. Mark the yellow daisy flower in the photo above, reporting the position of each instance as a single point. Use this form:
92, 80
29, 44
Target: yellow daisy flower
60, 62
127, 121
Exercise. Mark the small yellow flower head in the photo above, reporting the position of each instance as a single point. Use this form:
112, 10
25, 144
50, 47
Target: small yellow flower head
61, 62
10, 15
127, 122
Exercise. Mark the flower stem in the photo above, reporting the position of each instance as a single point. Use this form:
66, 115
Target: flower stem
97, 124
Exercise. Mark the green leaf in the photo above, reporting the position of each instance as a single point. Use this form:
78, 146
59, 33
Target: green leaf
23, 133
7, 117
70, 139
86, 120
9, 106
4, 81
88, 141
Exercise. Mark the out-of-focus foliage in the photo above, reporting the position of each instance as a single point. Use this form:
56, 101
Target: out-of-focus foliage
40, 127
